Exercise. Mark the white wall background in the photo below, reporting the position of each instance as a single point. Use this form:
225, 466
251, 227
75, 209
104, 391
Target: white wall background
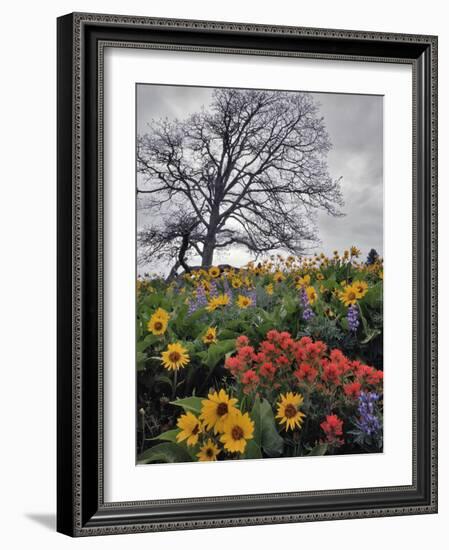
27, 298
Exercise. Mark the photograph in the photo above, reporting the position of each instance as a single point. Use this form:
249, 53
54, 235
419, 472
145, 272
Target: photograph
259, 273
247, 278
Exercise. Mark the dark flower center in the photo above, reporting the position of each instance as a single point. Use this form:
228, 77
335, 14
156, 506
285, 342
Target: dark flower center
351, 296
290, 411
158, 325
209, 452
222, 409
237, 433
174, 356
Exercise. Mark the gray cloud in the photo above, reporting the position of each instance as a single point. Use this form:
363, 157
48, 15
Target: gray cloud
355, 126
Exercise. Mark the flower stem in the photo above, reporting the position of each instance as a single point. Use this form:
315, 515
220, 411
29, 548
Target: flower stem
175, 384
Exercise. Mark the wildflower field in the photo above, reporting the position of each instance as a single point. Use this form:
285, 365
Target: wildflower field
280, 358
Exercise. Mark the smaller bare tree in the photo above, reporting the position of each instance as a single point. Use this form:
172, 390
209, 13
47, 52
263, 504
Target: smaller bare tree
172, 241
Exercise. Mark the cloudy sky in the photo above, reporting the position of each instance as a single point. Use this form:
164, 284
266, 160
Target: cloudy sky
355, 126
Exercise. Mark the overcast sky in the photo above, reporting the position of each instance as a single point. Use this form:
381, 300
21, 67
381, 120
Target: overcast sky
355, 126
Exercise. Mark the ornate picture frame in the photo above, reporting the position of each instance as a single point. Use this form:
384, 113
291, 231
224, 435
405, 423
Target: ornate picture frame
81, 507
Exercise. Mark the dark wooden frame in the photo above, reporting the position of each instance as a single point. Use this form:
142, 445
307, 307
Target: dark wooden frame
81, 508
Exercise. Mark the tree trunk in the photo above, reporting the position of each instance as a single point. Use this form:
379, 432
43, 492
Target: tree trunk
172, 273
208, 253
207, 257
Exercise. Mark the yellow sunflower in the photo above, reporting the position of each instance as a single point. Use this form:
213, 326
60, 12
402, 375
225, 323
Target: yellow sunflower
303, 281
216, 409
236, 282
244, 301
175, 357
210, 336
214, 272
311, 294
288, 410
269, 289
237, 430
157, 325
208, 452
361, 288
160, 313
206, 285
349, 295
247, 282
190, 428
278, 277
217, 302
355, 252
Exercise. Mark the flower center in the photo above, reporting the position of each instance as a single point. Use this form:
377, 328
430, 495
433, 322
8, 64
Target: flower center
237, 433
351, 296
209, 452
174, 356
222, 409
196, 429
158, 325
290, 411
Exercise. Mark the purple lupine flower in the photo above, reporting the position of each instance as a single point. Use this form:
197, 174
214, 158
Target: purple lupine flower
200, 300
368, 421
213, 289
353, 318
307, 312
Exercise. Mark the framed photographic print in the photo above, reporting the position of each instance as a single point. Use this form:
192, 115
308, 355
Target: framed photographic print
247, 282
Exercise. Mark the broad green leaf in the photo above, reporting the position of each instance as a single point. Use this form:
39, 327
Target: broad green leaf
369, 332
170, 435
162, 379
140, 360
228, 334
265, 429
164, 452
192, 404
370, 335
320, 449
256, 417
149, 340
217, 352
252, 450
374, 295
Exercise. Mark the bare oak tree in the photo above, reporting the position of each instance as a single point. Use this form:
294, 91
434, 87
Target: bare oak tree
249, 170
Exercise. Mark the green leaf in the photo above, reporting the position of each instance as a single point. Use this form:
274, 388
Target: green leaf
256, 417
218, 351
164, 453
140, 360
374, 295
265, 431
192, 404
370, 335
252, 450
320, 449
170, 435
162, 379
149, 340
228, 334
